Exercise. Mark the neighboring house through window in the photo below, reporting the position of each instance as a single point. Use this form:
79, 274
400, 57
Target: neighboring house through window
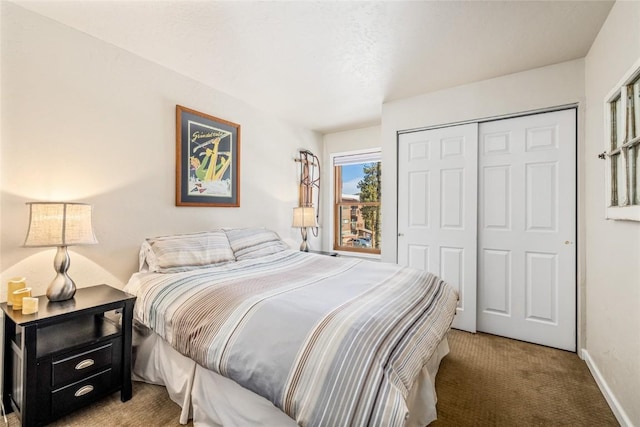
357, 198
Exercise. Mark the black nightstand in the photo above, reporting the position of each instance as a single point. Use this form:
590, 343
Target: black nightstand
324, 253
68, 354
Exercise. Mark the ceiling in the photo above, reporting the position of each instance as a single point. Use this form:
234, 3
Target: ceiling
330, 65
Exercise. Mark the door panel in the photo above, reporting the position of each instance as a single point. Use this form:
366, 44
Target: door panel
437, 209
452, 270
541, 287
419, 257
497, 271
496, 203
451, 195
527, 196
419, 199
541, 186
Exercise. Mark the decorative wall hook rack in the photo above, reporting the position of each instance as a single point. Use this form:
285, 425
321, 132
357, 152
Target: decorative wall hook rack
309, 183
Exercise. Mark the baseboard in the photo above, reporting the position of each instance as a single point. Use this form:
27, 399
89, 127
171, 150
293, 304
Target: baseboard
618, 411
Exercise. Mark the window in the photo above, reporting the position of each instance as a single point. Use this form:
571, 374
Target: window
357, 186
623, 145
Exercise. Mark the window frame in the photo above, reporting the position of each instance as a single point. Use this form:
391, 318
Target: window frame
335, 206
618, 145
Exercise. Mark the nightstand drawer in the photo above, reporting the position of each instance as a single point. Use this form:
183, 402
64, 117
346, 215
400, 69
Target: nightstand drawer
78, 366
77, 394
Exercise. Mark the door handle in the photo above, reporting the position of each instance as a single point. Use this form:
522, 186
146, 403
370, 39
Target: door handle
568, 242
400, 234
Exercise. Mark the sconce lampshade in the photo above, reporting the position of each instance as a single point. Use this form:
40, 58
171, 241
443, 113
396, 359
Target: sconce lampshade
304, 217
59, 224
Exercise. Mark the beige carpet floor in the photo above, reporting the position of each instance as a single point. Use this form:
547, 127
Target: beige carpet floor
484, 381
493, 381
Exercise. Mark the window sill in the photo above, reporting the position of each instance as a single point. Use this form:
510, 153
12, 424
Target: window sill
350, 254
628, 213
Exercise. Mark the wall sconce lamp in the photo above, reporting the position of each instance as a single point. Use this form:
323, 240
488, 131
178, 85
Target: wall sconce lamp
60, 224
304, 217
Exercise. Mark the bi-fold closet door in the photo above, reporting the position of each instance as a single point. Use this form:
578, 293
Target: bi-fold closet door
491, 208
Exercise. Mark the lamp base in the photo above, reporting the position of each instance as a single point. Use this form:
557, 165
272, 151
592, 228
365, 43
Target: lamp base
304, 246
62, 287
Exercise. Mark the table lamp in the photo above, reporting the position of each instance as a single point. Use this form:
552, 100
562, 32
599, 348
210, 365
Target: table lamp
304, 217
60, 224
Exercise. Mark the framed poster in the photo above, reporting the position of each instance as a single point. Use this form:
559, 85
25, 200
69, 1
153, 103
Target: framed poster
207, 160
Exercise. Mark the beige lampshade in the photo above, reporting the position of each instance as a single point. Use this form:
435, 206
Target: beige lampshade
59, 224
304, 217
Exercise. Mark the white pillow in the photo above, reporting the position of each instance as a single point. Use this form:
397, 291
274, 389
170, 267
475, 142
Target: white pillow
250, 243
181, 252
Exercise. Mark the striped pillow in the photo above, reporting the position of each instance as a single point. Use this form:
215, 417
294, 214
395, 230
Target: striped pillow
181, 252
249, 243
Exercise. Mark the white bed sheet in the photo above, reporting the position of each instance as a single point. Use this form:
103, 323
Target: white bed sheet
213, 400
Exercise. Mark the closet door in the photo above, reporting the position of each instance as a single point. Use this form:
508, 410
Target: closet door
526, 229
437, 209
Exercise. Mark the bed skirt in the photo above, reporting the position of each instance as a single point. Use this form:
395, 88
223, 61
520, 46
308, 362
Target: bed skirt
213, 400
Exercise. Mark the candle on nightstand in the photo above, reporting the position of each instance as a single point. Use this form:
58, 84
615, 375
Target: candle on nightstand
29, 305
18, 296
13, 285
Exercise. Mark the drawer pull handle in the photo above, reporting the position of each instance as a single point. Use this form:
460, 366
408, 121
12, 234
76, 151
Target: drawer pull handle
85, 364
84, 390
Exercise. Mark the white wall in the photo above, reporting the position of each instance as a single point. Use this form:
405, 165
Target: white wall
613, 247
342, 142
85, 121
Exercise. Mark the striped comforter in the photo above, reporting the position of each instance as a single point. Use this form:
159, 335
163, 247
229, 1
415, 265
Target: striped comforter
330, 341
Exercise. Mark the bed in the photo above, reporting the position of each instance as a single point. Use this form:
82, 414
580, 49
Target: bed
244, 331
